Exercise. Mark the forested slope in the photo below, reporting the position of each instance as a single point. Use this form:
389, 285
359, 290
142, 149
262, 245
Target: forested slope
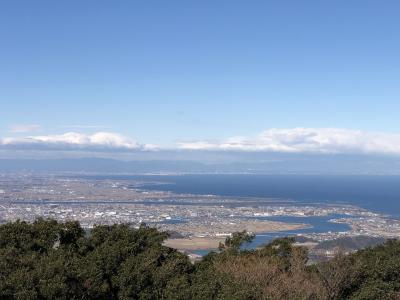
51, 260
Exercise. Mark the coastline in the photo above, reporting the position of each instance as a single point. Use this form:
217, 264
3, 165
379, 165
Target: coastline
202, 237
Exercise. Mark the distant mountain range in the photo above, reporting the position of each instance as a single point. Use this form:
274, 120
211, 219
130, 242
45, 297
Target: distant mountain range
278, 164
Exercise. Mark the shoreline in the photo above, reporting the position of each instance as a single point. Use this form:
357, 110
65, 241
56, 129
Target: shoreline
203, 237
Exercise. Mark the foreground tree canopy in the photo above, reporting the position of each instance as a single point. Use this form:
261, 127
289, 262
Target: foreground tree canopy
51, 260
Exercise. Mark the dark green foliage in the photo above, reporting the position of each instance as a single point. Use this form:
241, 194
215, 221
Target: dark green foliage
376, 272
234, 242
51, 260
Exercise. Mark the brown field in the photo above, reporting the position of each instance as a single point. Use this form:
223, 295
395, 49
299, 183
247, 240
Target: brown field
195, 243
211, 241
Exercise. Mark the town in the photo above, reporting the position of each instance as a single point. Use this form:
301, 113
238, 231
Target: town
104, 201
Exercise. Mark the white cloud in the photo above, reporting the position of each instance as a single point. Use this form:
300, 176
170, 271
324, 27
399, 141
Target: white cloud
307, 140
100, 141
295, 140
24, 128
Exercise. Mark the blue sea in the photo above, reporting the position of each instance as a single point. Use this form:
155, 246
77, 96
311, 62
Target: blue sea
375, 193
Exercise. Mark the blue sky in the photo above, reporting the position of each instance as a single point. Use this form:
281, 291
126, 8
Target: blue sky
172, 72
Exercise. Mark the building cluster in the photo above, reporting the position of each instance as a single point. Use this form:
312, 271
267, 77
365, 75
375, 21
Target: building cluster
99, 201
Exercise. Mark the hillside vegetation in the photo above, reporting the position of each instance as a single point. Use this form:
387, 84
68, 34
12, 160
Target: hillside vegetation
51, 260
